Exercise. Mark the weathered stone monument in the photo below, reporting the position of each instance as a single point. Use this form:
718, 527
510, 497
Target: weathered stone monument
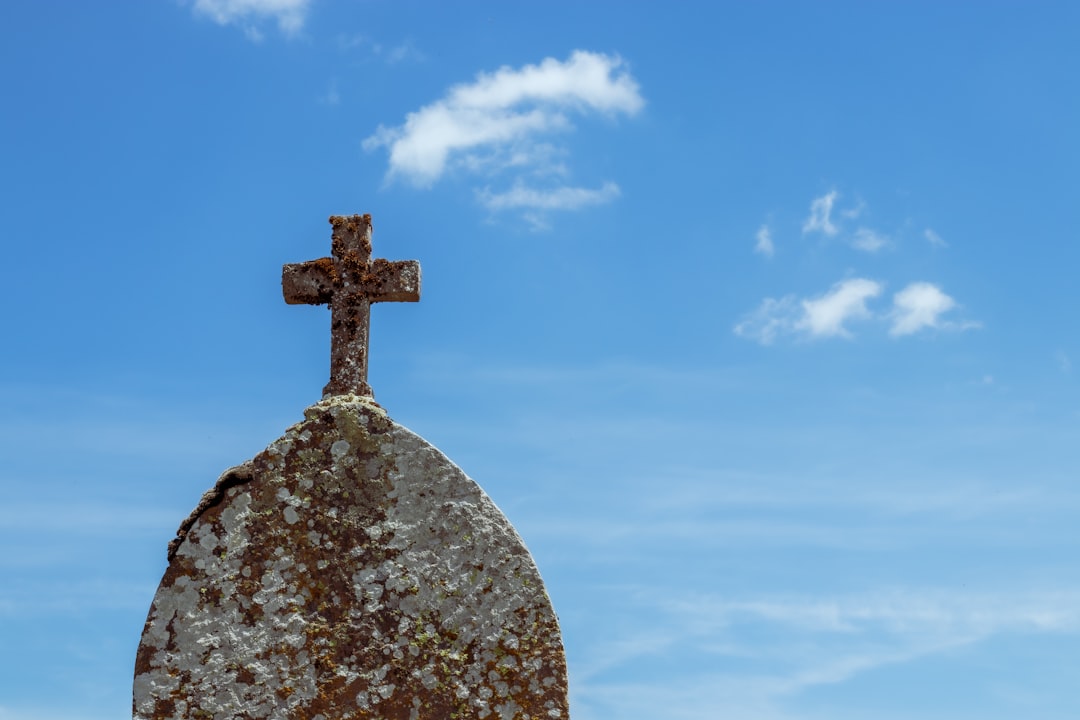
350, 570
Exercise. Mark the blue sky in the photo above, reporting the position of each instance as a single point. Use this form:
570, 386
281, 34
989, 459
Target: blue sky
759, 321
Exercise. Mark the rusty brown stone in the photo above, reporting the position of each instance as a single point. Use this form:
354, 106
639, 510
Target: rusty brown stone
350, 281
350, 571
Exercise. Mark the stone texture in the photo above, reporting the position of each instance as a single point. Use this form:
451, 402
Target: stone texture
349, 571
349, 282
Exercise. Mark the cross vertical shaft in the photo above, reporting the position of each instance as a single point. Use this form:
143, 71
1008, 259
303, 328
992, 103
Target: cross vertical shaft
350, 281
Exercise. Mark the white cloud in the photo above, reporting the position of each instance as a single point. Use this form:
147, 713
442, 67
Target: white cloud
332, 96
764, 244
495, 123
769, 321
868, 240
537, 159
852, 213
563, 198
1063, 361
536, 203
934, 239
825, 316
503, 107
919, 305
290, 14
404, 51
820, 215
798, 643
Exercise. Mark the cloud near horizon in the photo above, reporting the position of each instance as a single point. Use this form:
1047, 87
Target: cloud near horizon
493, 126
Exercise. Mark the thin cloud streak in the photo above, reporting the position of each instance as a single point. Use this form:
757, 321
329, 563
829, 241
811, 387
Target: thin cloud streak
869, 240
289, 14
1063, 362
764, 243
563, 198
934, 239
803, 642
820, 215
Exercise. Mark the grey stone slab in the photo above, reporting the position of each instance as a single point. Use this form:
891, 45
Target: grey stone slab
350, 571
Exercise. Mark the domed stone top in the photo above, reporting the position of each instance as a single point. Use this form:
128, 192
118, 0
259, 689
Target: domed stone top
350, 570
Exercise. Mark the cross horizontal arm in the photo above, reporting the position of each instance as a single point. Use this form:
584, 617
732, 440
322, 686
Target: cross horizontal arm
349, 282
397, 281
308, 283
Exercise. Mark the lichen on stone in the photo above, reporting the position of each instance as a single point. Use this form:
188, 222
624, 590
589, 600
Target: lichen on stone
354, 572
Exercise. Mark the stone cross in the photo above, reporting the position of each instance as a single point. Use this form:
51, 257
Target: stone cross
350, 281
350, 571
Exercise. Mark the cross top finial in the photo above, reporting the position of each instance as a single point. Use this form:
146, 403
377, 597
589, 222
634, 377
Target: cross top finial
350, 281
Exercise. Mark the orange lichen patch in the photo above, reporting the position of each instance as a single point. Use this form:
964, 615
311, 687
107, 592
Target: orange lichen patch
355, 264
326, 265
379, 271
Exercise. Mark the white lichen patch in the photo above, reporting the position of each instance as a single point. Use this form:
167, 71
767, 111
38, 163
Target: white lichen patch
358, 574
339, 448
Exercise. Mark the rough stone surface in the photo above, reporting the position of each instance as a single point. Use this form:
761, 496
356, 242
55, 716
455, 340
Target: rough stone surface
350, 281
349, 571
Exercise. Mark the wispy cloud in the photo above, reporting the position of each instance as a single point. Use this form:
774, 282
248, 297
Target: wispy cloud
331, 96
820, 219
934, 239
764, 243
773, 318
822, 316
868, 240
786, 645
927, 610
1063, 361
825, 316
249, 14
562, 198
405, 51
920, 305
536, 202
495, 123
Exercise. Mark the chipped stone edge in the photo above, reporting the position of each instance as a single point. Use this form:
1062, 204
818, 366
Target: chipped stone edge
236, 475
245, 472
